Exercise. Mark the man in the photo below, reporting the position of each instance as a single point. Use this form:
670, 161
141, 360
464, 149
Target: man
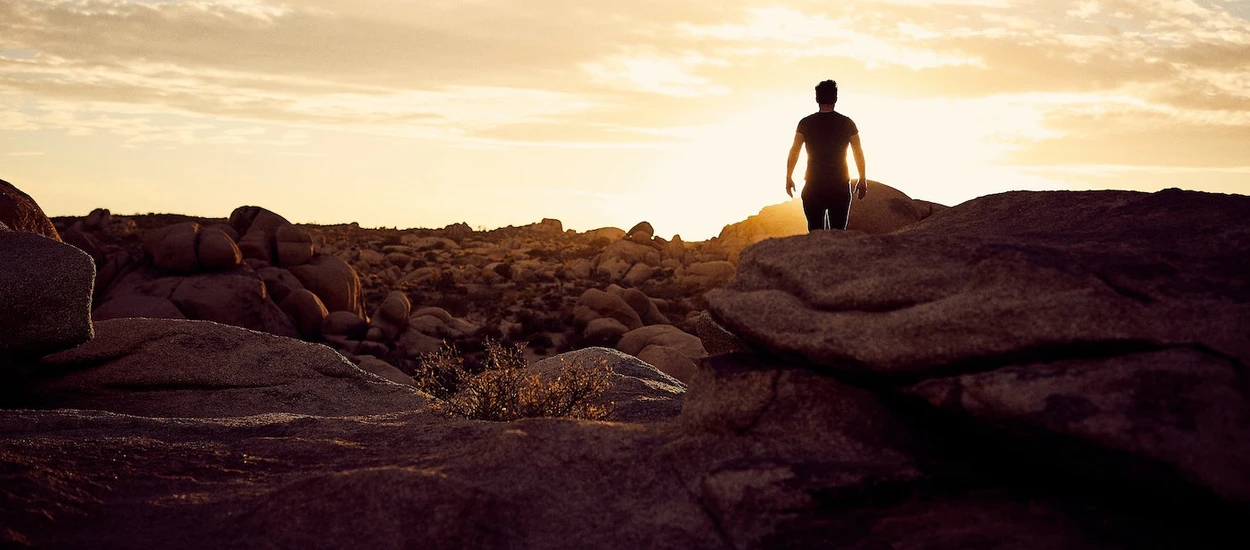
827, 191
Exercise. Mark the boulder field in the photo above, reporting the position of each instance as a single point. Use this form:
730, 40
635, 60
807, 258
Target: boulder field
1034, 370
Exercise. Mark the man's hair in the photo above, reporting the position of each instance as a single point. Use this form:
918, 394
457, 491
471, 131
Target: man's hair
827, 92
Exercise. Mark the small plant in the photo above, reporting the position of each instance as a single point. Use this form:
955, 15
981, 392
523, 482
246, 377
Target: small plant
503, 390
440, 373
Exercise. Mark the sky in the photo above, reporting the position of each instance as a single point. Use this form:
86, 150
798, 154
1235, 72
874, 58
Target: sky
424, 113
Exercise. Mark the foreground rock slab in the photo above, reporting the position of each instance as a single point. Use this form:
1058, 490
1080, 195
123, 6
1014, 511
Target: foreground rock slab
201, 369
1002, 277
763, 456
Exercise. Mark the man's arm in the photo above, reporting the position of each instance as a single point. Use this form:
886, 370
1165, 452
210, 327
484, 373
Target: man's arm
792, 161
858, 150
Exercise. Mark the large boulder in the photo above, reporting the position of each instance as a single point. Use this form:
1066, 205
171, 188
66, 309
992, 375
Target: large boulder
647, 311
258, 230
279, 283
332, 280
189, 248
45, 295
604, 331
391, 317
345, 324
269, 237
670, 349
1003, 277
196, 369
236, 297
1106, 326
594, 304
306, 311
173, 248
98, 219
19, 212
292, 246
641, 233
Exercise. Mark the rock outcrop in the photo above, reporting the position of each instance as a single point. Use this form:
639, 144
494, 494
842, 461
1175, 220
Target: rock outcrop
1111, 325
838, 411
670, 349
188, 248
236, 297
19, 212
45, 295
998, 279
332, 280
200, 369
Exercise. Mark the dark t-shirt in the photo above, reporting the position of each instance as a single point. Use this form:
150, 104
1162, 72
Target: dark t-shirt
827, 136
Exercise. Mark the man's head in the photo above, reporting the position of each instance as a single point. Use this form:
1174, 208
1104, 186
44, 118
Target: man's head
827, 92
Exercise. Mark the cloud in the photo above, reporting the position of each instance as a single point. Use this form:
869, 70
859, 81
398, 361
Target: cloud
620, 74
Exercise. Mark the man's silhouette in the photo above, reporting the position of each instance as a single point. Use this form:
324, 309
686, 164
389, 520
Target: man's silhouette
827, 187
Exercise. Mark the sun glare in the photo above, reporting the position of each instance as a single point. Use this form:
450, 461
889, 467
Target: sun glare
940, 150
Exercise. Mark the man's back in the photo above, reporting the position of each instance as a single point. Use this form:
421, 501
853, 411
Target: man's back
827, 135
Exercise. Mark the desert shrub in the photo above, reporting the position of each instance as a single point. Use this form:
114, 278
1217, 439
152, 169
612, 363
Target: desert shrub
440, 373
502, 389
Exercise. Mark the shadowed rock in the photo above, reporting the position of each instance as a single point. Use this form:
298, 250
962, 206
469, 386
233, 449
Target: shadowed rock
673, 351
1109, 322
1181, 407
45, 295
306, 311
189, 248
332, 280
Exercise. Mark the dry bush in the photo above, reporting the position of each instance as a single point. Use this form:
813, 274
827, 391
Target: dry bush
503, 390
440, 373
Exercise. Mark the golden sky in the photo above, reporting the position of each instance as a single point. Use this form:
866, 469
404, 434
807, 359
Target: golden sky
422, 113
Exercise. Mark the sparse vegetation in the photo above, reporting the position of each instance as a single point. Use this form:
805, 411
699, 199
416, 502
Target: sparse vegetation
503, 389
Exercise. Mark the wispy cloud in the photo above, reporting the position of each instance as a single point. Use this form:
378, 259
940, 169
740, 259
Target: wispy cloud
568, 72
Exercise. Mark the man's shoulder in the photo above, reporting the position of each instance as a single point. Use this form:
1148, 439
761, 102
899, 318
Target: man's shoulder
826, 117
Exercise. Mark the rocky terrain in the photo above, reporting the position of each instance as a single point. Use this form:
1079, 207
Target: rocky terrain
1025, 370
383, 297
